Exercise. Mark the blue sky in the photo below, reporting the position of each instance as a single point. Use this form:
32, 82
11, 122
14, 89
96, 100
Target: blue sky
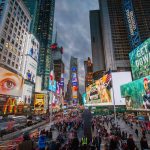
72, 18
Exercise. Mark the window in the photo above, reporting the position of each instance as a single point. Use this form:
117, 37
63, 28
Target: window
4, 59
2, 41
18, 33
13, 42
8, 38
6, 51
10, 54
9, 15
14, 57
13, 64
1, 48
19, 27
7, 21
16, 23
16, 66
16, 44
14, 35
18, 59
13, 19
11, 25
6, 27
8, 61
10, 31
15, 29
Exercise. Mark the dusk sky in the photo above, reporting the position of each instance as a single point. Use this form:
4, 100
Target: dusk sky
73, 27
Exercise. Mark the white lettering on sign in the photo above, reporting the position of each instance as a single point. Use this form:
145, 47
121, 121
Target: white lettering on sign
131, 21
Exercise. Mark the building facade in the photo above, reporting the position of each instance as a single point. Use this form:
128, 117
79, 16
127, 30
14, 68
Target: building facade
88, 66
32, 6
30, 68
119, 35
96, 41
74, 80
14, 26
44, 34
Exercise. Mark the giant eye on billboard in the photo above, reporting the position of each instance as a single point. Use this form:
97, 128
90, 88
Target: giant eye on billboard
10, 83
137, 94
140, 60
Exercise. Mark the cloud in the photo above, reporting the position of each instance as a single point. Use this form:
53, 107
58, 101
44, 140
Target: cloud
72, 19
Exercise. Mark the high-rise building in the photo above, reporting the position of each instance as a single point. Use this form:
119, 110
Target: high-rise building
124, 25
96, 41
32, 6
88, 66
14, 26
74, 79
44, 35
57, 61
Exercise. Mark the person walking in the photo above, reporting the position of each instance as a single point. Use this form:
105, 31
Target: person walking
27, 143
42, 141
143, 142
137, 132
130, 143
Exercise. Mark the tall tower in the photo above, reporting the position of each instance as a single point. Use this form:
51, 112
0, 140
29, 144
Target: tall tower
124, 25
96, 41
74, 80
32, 6
44, 34
88, 66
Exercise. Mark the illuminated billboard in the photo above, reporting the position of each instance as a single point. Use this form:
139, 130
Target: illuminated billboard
39, 101
52, 85
137, 94
131, 23
140, 60
99, 91
10, 83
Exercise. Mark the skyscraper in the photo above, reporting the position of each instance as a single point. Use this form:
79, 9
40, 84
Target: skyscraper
96, 41
44, 34
124, 25
74, 79
32, 6
14, 25
88, 66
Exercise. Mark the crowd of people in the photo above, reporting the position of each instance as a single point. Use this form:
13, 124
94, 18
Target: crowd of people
104, 130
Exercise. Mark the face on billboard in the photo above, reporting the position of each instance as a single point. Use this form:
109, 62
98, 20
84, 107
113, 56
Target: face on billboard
140, 60
137, 94
10, 83
99, 92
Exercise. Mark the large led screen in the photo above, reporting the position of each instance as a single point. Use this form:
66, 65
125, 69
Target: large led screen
99, 92
39, 101
137, 94
140, 60
10, 83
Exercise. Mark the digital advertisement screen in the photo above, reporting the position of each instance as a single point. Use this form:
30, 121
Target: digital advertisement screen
52, 85
137, 94
39, 101
10, 83
140, 60
99, 92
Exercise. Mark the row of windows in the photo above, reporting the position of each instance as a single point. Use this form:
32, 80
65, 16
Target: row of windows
9, 62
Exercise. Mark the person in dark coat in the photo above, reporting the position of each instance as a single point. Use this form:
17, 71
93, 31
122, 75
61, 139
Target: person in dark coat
75, 142
27, 143
137, 132
144, 144
130, 143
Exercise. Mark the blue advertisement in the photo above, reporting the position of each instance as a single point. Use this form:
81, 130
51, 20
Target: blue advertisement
131, 22
52, 86
74, 69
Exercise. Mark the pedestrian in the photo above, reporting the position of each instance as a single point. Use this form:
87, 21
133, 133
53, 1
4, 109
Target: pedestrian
42, 141
75, 142
136, 132
130, 142
144, 144
27, 143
